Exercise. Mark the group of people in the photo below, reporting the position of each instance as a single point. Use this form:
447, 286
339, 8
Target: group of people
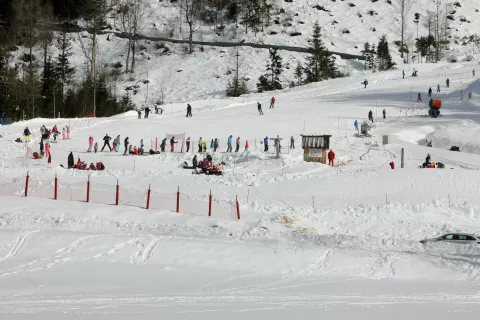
433, 165
370, 118
205, 166
82, 165
46, 133
117, 143
272, 105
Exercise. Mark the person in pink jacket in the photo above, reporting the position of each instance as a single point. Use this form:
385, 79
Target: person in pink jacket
47, 150
68, 132
90, 144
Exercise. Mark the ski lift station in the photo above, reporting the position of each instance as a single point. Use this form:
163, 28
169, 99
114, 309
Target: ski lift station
315, 148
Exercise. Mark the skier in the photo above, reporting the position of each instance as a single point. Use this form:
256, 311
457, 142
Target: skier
106, 143
430, 92
126, 142
90, 144
172, 144
355, 124
47, 150
43, 130
229, 142
427, 161
384, 114
473, 73
272, 103
163, 145
331, 157
259, 107
55, 129
448, 83
215, 145
141, 146
292, 143
204, 146
27, 134
188, 144
70, 161
200, 144
68, 132
246, 146
189, 110
41, 147
95, 147
365, 83
147, 111
64, 134
403, 74
212, 145
419, 97
438, 87
370, 116
139, 114
265, 142
117, 144
237, 147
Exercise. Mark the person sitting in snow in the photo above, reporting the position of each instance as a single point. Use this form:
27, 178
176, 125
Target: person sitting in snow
130, 150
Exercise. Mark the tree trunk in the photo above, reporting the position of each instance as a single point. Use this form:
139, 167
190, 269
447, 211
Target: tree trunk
129, 46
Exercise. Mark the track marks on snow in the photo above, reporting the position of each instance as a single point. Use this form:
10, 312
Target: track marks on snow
18, 243
144, 252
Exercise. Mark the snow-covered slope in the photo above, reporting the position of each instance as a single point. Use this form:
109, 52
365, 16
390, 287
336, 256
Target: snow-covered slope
312, 241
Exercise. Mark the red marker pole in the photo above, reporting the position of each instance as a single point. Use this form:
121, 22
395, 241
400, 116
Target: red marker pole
26, 184
88, 189
55, 194
148, 197
238, 208
178, 200
210, 204
117, 198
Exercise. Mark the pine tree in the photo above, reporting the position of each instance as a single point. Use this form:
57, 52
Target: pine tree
63, 69
271, 80
371, 55
383, 55
366, 54
49, 82
320, 64
298, 74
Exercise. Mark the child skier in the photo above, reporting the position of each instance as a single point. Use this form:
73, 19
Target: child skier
95, 147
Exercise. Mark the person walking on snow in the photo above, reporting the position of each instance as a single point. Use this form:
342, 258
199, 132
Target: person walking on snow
259, 107
68, 132
147, 112
355, 124
172, 144
200, 144
246, 146
265, 142
292, 143
438, 87
370, 116
272, 103
95, 147
106, 143
204, 146
126, 143
448, 83
189, 110
229, 143
27, 134
331, 158
384, 114
141, 146
419, 97
403, 74
47, 150
64, 134
237, 147
90, 144
365, 83
139, 114
473, 73
41, 147
188, 144
430, 92
215, 145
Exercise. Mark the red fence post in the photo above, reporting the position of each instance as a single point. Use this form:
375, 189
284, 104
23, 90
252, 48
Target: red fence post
238, 208
26, 184
148, 197
117, 198
210, 204
88, 189
178, 200
55, 194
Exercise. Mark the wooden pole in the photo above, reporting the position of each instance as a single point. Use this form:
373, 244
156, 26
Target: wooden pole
148, 197
178, 200
403, 157
117, 196
88, 189
210, 204
55, 194
26, 184
238, 207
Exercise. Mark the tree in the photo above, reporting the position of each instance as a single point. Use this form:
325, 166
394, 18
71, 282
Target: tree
271, 80
320, 64
298, 74
403, 7
383, 55
191, 10
49, 83
63, 69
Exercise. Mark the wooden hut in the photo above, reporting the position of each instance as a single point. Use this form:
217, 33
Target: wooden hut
315, 148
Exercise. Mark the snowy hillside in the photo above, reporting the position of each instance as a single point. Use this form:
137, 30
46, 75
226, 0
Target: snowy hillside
313, 241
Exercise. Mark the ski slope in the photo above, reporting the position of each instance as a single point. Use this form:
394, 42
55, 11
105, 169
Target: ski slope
312, 241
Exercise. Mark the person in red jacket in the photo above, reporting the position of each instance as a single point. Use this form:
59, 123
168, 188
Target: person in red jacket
331, 157
272, 103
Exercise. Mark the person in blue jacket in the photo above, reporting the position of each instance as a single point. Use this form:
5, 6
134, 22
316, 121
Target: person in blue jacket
356, 125
229, 142
265, 142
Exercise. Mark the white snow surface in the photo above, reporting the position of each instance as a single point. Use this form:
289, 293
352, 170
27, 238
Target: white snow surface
313, 241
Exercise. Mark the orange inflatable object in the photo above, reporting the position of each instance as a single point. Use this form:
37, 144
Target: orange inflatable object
436, 104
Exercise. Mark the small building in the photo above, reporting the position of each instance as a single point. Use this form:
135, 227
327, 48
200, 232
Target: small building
315, 148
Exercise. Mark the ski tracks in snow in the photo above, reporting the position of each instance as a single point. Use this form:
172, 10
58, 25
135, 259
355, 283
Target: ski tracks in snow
145, 252
17, 244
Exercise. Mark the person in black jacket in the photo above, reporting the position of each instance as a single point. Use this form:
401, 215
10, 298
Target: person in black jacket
71, 161
188, 144
189, 110
106, 140
195, 162
259, 107
126, 142
27, 134
147, 112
